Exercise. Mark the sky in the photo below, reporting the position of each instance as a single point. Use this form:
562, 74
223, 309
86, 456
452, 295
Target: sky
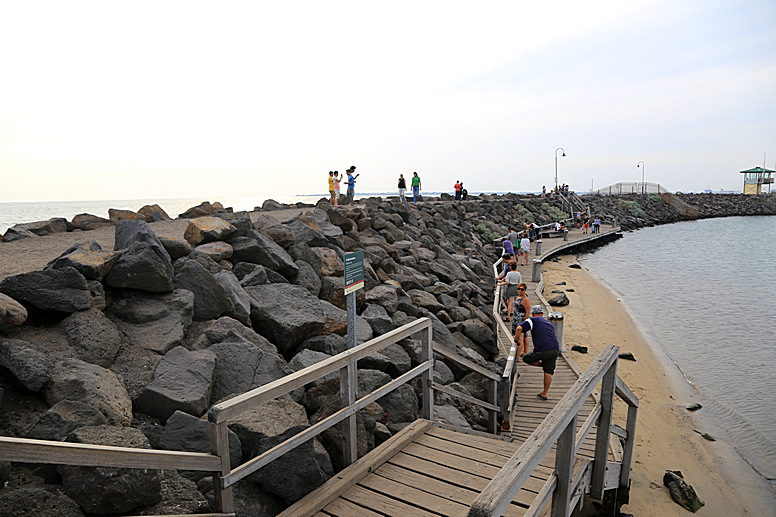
168, 99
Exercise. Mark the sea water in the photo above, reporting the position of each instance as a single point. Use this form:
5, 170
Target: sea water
705, 292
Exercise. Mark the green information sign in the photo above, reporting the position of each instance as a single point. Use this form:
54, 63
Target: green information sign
354, 271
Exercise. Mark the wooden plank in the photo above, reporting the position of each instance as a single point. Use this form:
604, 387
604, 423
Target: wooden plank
65, 453
489, 444
219, 445
587, 425
464, 396
414, 496
348, 387
452, 356
564, 464
272, 454
622, 390
608, 383
347, 478
343, 508
427, 356
229, 409
383, 504
507, 483
630, 440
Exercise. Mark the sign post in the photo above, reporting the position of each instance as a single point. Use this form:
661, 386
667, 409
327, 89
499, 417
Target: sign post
354, 280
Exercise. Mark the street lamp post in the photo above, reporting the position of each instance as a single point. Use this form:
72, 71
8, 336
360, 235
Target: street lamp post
643, 185
556, 165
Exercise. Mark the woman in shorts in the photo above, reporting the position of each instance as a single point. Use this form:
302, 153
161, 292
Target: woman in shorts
525, 248
337, 179
402, 187
511, 281
521, 310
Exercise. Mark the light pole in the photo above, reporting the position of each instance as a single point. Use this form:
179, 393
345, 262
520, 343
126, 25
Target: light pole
643, 186
556, 165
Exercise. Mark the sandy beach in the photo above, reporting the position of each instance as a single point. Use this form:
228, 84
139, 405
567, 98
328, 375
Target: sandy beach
666, 436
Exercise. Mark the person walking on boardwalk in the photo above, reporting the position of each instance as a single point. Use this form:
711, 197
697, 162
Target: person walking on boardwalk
585, 222
521, 308
331, 187
546, 347
525, 248
415, 187
402, 187
511, 280
457, 188
351, 184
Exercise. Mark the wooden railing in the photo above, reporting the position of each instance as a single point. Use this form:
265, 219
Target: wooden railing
42, 451
560, 427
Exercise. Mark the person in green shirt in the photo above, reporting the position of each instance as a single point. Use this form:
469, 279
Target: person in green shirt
415, 186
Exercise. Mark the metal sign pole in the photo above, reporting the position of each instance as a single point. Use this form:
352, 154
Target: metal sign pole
354, 280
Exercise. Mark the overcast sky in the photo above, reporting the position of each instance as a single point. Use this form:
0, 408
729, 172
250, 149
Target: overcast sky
124, 100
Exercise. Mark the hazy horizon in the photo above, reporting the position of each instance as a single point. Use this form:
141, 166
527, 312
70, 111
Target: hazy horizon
143, 100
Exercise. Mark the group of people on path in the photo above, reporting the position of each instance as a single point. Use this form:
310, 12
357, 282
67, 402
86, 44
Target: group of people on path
334, 185
526, 319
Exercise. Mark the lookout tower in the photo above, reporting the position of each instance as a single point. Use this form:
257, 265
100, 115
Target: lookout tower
756, 178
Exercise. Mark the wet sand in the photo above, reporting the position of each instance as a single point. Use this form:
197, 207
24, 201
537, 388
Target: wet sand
666, 437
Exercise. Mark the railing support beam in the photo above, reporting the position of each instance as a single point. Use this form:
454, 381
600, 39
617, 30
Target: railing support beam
608, 384
564, 465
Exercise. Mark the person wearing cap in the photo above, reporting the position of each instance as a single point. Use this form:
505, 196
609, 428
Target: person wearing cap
546, 347
351, 184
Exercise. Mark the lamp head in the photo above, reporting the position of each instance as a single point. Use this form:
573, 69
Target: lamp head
564, 154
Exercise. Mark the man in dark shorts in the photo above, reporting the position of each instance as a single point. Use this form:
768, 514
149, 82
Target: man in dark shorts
546, 347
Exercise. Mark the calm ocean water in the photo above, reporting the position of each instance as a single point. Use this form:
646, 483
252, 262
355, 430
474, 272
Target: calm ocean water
705, 291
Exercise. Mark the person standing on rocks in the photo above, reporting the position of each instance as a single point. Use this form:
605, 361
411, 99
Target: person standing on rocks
402, 187
351, 183
546, 348
331, 187
457, 188
544, 191
337, 179
415, 186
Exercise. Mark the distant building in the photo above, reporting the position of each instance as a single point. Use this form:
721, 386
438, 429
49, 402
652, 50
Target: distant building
755, 179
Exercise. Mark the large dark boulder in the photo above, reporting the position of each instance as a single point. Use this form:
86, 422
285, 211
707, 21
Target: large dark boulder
89, 222
130, 232
141, 268
401, 405
25, 363
182, 381
378, 319
208, 229
241, 300
393, 360
62, 290
102, 490
306, 235
88, 258
47, 227
94, 337
37, 502
682, 493
63, 418
210, 299
156, 323
220, 329
307, 278
331, 344
73, 379
183, 432
384, 296
242, 366
285, 314
271, 255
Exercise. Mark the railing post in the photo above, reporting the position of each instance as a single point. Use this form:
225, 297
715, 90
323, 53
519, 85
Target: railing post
538, 247
627, 448
564, 466
608, 384
348, 385
493, 399
427, 354
565, 235
556, 318
614, 223
536, 272
219, 445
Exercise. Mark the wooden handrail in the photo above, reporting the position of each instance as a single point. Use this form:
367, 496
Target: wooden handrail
250, 399
497, 495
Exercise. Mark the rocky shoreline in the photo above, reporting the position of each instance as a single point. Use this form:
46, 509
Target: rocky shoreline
130, 346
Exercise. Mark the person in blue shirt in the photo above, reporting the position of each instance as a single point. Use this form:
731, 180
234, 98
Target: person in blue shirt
546, 347
351, 183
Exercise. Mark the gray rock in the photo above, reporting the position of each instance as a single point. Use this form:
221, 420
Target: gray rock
280, 233
210, 265
560, 300
25, 363
217, 251
257, 276
307, 278
74, 379
391, 359
14, 234
183, 432
13, 313
88, 258
48, 227
62, 290
330, 344
271, 255
97, 295
285, 314
64, 417
156, 323
37, 502
401, 405
202, 230
141, 268
385, 296
220, 329
176, 248
210, 299
370, 380
303, 252
179, 497
306, 235
182, 381
305, 358
425, 300
153, 213
442, 373
480, 333
378, 319
242, 366
94, 337
240, 220
202, 209
473, 413
240, 299
131, 232
450, 415
682, 493
89, 222
107, 489
336, 322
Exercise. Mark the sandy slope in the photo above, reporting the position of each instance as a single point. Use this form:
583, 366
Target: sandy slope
666, 437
